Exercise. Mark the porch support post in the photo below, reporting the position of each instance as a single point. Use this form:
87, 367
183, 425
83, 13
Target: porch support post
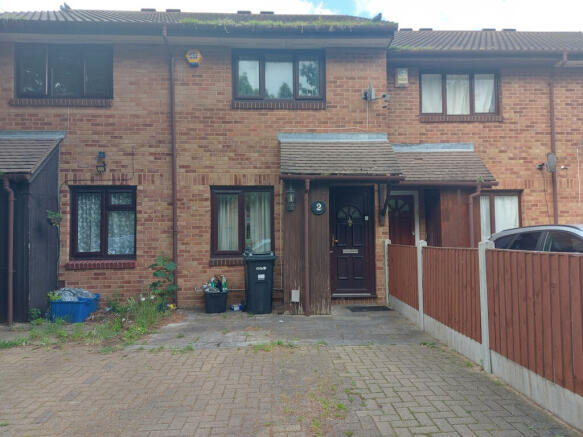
387, 244
482, 247
420, 245
306, 247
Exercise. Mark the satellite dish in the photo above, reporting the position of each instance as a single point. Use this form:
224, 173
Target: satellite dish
551, 163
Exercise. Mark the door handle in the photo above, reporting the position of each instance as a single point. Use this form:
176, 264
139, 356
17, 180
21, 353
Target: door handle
334, 241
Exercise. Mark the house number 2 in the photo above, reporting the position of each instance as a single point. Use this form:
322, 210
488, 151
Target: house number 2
318, 207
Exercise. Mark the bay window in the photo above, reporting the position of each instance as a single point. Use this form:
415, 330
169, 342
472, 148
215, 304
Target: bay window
457, 94
241, 218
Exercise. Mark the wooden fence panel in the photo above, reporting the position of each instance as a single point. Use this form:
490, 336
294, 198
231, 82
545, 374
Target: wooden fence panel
403, 274
535, 307
451, 289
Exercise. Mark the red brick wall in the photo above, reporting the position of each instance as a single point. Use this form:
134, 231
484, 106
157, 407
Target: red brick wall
221, 146
216, 146
512, 148
135, 136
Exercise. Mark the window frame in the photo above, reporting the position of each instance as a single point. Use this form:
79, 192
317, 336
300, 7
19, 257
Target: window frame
492, 195
106, 206
472, 113
52, 50
295, 56
240, 191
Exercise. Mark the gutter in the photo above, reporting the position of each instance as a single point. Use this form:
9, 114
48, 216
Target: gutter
173, 137
10, 268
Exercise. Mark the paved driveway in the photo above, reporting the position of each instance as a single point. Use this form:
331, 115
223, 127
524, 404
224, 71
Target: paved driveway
350, 374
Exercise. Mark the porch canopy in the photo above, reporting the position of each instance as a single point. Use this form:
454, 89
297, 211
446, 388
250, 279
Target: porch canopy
442, 164
22, 153
338, 156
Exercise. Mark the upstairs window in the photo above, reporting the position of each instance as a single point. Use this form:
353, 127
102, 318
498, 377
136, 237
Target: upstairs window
459, 93
274, 76
64, 71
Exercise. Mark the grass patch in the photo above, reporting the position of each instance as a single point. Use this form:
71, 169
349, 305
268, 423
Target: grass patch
468, 364
4, 424
8, 344
180, 335
428, 343
125, 324
348, 433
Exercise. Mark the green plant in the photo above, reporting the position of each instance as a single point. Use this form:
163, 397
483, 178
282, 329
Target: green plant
7, 344
114, 303
34, 314
54, 218
54, 297
163, 271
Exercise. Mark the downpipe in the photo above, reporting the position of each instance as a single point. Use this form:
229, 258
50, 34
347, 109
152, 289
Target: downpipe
10, 267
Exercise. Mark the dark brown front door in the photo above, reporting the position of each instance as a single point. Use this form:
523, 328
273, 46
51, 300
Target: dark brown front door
402, 219
352, 240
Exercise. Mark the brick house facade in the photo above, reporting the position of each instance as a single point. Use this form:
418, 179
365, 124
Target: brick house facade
222, 144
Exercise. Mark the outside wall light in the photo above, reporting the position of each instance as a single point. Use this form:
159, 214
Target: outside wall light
290, 198
100, 167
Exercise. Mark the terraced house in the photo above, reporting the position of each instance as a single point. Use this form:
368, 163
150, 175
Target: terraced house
316, 137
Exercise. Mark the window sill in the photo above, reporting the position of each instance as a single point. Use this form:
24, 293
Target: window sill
94, 103
117, 264
438, 118
292, 104
235, 261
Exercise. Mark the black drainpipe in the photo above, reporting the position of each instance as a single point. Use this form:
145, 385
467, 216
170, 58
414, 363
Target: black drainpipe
10, 268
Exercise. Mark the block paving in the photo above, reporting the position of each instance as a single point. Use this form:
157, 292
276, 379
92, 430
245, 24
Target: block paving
290, 389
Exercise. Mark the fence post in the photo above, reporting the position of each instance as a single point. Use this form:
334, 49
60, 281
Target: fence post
420, 245
482, 246
387, 244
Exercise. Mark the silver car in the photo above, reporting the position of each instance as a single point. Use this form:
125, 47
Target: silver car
546, 238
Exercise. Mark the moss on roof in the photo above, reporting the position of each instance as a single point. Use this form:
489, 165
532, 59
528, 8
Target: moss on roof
318, 23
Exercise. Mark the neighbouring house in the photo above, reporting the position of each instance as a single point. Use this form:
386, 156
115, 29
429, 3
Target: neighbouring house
200, 135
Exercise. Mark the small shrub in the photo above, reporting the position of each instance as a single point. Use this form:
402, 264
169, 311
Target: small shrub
163, 271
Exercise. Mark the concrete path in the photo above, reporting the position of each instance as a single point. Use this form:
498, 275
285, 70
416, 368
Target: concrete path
351, 374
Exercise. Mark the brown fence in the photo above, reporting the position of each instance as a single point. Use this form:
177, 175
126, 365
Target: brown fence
403, 274
535, 312
451, 289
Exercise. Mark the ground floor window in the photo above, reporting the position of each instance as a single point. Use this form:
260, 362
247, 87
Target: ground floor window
499, 211
103, 222
241, 218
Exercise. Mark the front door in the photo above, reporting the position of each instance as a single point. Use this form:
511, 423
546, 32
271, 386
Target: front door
402, 219
352, 241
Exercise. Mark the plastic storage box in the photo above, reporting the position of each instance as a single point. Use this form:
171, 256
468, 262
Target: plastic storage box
215, 302
73, 312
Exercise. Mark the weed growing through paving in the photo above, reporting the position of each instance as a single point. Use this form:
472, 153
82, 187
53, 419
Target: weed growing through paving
4, 424
268, 347
468, 364
428, 344
348, 433
180, 335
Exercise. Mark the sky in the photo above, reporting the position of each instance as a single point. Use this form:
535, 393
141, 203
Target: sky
526, 15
